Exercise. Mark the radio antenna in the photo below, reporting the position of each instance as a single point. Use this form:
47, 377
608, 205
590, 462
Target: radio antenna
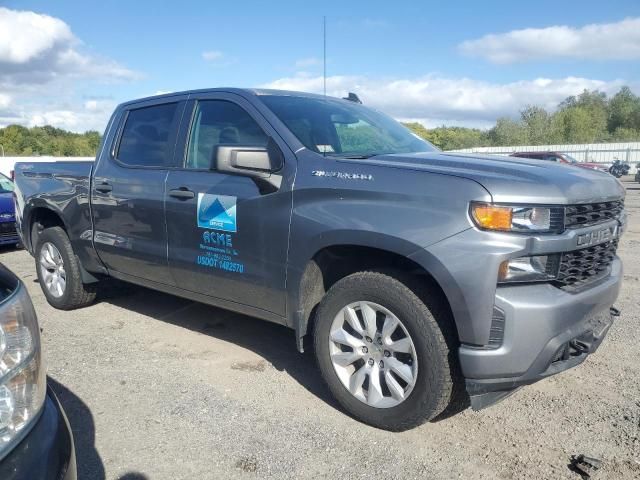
324, 55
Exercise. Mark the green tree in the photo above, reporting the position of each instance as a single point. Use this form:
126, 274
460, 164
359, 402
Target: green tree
625, 134
508, 132
450, 138
48, 140
537, 123
622, 108
579, 125
584, 118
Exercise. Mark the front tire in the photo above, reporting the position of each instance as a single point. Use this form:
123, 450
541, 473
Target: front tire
382, 353
59, 271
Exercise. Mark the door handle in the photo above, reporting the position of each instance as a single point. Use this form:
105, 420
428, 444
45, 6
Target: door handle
104, 188
182, 193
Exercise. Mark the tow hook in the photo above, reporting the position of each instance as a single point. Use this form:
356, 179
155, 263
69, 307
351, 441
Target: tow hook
578, 348
614, 312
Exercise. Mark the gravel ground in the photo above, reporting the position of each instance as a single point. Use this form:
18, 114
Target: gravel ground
158, 387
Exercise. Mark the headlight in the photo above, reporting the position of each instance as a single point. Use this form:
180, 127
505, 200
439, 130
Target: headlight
513, 218
538, 268
22, 374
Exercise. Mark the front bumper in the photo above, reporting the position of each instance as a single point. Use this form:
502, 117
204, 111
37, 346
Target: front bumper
546, 331
539, 318
9, 240
47, 451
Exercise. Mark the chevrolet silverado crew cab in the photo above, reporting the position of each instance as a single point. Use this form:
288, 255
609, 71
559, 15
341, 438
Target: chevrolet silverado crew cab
418, 274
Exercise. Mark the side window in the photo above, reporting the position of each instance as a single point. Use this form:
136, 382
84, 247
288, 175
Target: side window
6, 185
145, 136
218, 122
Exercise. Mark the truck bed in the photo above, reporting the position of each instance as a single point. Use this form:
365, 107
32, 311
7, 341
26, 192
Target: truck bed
62, 187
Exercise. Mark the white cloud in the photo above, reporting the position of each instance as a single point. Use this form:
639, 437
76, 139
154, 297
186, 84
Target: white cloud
600, 41
212, 55
37, 48
435, 100
91, 104
92, 115
5, 100
67, 119
25, 35
41, 64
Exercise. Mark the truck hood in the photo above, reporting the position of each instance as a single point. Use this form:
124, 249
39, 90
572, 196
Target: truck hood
513, 179
6, 203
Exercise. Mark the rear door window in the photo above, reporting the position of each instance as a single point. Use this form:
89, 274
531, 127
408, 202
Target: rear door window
147, 136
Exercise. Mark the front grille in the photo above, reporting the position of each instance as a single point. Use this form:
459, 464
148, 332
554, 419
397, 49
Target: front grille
8, 229
591, 213
587, 265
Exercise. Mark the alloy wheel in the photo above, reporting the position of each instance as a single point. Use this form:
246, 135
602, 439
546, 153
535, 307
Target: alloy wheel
52, 270
373, 354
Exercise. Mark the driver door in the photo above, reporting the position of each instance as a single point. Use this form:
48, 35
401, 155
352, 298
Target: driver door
228, 236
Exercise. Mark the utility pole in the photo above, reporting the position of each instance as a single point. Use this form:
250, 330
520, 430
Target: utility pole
2, 149
324, 54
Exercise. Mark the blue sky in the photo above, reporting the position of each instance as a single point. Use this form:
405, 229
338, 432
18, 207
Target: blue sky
461, 63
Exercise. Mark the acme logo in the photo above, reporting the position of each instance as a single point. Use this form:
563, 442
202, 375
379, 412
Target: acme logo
598, 236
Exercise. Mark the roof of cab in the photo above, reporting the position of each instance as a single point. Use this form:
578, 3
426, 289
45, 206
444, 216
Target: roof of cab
239, 91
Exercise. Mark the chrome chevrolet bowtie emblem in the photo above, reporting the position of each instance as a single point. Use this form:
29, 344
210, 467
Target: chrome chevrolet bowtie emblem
5, 216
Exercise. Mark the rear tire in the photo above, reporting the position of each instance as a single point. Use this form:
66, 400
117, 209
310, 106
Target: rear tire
426, 377
59, 271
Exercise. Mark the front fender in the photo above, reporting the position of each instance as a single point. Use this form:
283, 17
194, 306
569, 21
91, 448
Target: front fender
397, 210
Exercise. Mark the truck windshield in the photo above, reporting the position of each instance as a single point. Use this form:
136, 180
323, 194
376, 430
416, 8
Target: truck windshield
344, 129
6, 185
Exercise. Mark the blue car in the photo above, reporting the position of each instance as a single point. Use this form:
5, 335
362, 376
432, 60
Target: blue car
8, 233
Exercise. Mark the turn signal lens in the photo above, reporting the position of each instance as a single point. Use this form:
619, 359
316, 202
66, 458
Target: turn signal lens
492, 217
518, 218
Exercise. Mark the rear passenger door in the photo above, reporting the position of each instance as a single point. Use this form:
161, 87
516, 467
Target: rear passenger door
128, 190
228, 236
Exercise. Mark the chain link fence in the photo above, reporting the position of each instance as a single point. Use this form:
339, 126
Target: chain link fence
605, 153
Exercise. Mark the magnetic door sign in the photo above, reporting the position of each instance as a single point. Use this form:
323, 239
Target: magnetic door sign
217, 212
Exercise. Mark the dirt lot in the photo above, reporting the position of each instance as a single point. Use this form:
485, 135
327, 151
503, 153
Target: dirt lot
163, 388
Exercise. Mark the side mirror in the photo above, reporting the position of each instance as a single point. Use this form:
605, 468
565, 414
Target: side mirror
230, 158
259, 163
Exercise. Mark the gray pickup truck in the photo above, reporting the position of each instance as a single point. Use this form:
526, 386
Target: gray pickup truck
423, 278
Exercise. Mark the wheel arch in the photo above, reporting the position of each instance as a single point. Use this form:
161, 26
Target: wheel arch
332, 262
40, 213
